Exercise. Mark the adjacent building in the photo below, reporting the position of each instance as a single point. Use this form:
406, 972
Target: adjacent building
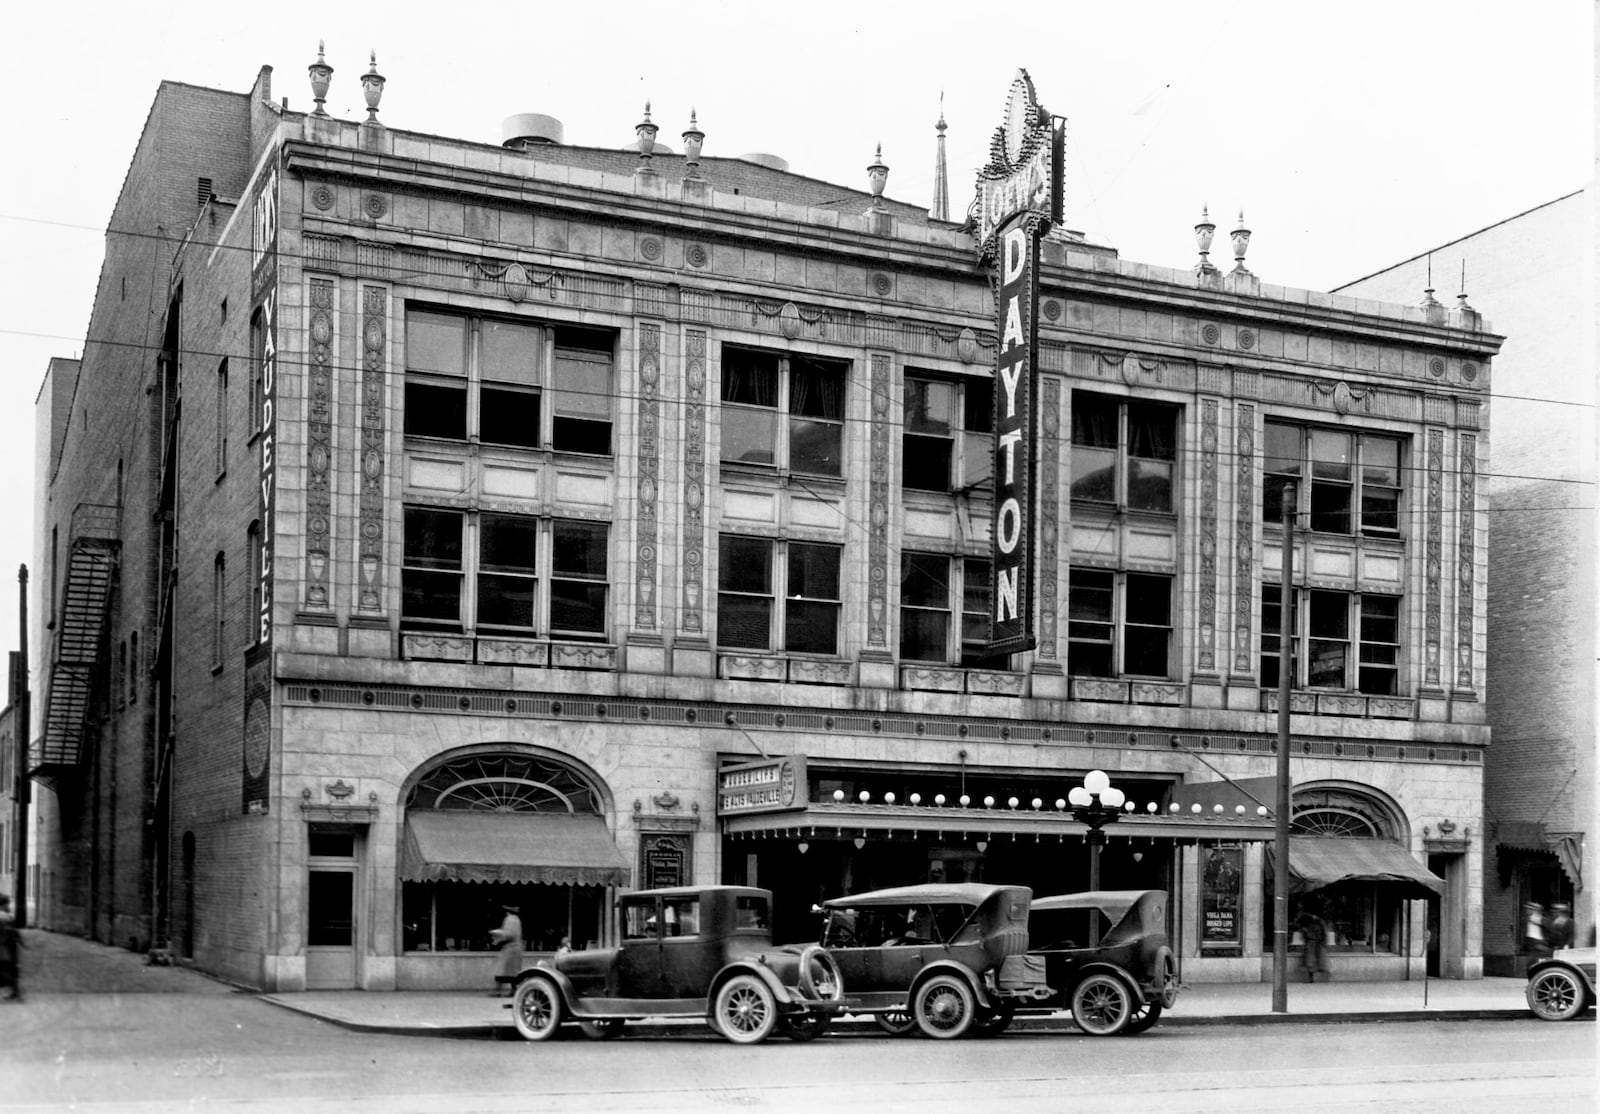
1536, 269
475, 525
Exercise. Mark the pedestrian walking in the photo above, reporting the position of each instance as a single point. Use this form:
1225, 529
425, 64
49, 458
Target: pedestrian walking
508, 938
1558, 926
1533, 927
1314, 930
10, 951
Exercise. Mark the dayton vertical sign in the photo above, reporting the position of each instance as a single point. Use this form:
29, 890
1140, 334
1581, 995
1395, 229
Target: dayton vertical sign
264, 339
1019, 197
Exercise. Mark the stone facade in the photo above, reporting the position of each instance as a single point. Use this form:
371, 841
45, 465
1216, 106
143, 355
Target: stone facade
396, 351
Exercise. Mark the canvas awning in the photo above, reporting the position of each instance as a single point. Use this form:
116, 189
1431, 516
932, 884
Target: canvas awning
1318, 861
459, 846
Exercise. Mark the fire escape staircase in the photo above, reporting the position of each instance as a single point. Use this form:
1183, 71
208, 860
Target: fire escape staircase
78, 640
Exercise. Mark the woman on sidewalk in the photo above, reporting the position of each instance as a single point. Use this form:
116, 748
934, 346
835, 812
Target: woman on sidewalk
10, 951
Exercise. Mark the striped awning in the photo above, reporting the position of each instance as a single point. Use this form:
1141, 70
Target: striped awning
446, 845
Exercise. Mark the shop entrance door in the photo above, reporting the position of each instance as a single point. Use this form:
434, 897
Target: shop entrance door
331, 928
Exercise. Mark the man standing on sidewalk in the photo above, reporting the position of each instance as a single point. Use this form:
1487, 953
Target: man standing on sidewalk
10, 950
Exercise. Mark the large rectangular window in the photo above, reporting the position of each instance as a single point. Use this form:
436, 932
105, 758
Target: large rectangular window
504, 574
774, 595
783, 410
507, 383
1119, 624
947, 437
1124, 452
944, 610
1354, 478
1338, 640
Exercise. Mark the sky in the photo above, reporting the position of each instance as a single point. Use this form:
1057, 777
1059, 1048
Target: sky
1353, 135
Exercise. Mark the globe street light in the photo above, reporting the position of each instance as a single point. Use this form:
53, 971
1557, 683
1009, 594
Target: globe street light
1095, 804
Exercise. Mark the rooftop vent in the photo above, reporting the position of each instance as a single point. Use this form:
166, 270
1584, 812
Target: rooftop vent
530, 129
761, 158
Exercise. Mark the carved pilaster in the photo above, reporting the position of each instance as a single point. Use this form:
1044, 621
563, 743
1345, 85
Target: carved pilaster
1049, 513
694, 480
1206, 617
644, 610
374, 349
1465, 552
1244, 529
878, 499
1433, 557
319, 445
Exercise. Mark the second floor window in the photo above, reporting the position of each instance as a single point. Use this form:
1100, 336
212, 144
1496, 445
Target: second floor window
783, 410
1338, 640
947, 440
504, 574
777, 595
1119, 624
1354, 478
1124, 453
486, 379
944, 610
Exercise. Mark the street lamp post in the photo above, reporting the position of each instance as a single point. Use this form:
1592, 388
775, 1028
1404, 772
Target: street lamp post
1095, 804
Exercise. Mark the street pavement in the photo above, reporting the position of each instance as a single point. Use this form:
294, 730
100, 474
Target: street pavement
56, 965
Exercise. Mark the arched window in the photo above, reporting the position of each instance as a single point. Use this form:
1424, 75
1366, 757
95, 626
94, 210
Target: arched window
1342, 812
505, 783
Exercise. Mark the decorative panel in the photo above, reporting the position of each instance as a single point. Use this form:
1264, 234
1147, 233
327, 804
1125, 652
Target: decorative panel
648, 485
694, 477
319, 444
878, 504
1205, 612
374, 372
1244, 532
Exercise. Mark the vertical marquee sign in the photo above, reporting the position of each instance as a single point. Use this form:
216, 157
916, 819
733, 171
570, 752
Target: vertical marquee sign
1018, 198
264, 342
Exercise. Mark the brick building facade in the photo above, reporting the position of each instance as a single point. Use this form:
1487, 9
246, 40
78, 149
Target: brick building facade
514, 524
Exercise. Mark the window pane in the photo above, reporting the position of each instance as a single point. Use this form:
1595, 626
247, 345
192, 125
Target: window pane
1330, 615
507, 542
749, 436
977, 399
1380, 510
924, 635
577, 607
927, 463
1152, 431
1380, 461
1149, 600
583, 383
436, 410
749, 378
977, 459
1331, 455
1149, 484
744, 564
508, 417
1380, 619
930, 407
1089, 659
744, 622
511, 352
432, 538
813, 571
811, 628
925, 580
579, 435
578, 549
1144, 651
816, 388
1283, 450
1094, 421
430, 596
1330, 507
436, 342
1327, 664
816, 447
1089, 596
505, 601
1094, 474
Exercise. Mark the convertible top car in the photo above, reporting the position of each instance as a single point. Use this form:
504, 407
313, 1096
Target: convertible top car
946, 958
1561, 985
1106, 957
688, 951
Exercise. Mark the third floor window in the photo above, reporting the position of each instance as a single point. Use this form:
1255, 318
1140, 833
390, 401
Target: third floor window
947, 440
777, 595
783, 410
1354, 478
1124, 453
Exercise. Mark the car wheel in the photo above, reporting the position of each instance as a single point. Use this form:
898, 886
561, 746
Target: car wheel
745, 1010
1169, 980
897, 1023
536, 1009
604, 1029
819, 975
802, 1027
944, 1006
1142, 1018
991, 1023
1556, 994
1101, 1005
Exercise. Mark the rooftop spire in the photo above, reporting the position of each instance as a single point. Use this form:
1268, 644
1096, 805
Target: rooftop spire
941, 178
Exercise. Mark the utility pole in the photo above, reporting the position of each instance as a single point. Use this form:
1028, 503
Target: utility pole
19, 723
1280, 871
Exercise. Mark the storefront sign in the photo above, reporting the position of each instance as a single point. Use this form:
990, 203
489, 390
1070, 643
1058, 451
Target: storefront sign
664, 861
1220, 897
770, 785
1018, 198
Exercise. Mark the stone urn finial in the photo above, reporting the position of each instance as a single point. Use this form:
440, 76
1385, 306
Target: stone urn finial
1204, 233
1241, 242
321, 74
372, 83
693, 140
877, 177
646, 131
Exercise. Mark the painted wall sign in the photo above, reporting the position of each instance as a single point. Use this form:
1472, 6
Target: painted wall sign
770, 785
1018, 198
264, 342
664, 861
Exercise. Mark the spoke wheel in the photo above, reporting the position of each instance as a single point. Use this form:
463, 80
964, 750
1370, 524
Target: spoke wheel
1555, 994
1142, 1018
802, 1027
944, 1007
536, 1009
897, 1023
1101, 1005
602, 1030
745, 1010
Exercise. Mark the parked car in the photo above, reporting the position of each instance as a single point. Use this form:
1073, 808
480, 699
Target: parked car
946, 959
1123, 981
1561, 985
691, 951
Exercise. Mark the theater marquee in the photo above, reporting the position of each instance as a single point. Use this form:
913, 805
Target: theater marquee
1019, 197
770, 785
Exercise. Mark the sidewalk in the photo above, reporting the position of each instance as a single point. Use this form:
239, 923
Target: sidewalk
56, 964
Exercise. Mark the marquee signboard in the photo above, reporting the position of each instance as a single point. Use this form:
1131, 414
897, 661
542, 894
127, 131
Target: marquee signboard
770, 785
1018, 198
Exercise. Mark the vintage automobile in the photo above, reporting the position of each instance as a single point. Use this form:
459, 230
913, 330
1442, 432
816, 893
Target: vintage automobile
944, 958
1123, 981
1561, 985
691, 951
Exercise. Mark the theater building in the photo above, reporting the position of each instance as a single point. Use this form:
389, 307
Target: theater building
523, 523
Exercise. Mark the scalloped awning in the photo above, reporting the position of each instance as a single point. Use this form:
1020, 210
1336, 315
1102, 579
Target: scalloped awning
1318, 861
458, 846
